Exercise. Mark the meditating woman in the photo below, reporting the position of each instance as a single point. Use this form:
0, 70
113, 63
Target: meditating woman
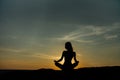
67, 55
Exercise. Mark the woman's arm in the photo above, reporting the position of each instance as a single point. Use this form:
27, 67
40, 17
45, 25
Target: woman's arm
60, 58
75, 57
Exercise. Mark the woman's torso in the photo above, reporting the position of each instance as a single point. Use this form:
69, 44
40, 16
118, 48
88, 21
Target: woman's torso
68, 57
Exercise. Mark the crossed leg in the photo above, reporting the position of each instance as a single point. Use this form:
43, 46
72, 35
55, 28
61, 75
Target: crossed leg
59, 65
63, 67
74, 64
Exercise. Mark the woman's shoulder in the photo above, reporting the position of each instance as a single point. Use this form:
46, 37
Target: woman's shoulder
74, 52
64, 51
68, 51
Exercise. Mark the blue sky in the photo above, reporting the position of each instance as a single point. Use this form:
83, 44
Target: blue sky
33, 32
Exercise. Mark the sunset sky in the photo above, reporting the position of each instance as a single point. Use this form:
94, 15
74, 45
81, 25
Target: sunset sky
33, 32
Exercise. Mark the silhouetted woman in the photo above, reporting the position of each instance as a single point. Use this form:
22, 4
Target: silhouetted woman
67, 55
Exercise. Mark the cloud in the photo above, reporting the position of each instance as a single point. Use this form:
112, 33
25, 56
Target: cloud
10, 50
110, 37
85, 41
89, 33
25, 53
44, 56
80, 33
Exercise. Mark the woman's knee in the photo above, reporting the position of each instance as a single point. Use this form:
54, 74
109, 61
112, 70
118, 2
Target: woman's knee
59, 65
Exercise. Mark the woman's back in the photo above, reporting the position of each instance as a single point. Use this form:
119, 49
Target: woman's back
68, 57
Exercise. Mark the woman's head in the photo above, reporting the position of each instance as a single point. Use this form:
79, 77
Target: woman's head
68, 46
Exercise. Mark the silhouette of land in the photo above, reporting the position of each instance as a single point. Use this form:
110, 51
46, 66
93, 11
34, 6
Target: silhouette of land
88, 73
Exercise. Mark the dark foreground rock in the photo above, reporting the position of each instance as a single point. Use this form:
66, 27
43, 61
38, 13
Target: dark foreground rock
90, 73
